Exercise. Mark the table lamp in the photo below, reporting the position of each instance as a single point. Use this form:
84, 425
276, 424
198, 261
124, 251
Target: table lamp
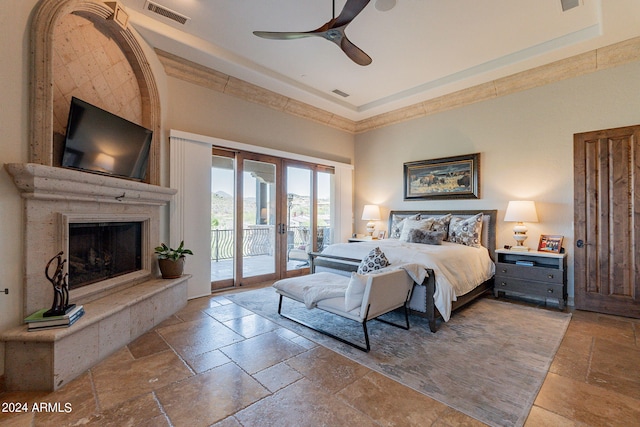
520, 212
371, 213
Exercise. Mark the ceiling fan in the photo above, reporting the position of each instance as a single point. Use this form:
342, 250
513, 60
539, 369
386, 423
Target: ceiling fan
332, 31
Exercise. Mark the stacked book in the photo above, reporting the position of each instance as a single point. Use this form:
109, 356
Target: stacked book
38, 322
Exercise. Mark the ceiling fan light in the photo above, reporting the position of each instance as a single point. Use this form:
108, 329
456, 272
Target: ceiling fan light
385, 5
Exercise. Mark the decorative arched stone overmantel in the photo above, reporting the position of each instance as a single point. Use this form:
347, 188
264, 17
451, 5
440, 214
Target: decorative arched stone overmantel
48, 14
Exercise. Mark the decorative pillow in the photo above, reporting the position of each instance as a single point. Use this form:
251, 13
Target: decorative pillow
441, 223
466, 231
426, 237
355, 291
397, 223
374, 261
414, 224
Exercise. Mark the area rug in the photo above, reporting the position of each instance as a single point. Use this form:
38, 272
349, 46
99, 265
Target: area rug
488, 361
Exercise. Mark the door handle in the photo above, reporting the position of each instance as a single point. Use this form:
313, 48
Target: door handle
580, 243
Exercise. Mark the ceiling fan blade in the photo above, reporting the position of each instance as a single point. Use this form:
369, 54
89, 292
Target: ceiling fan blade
356, 54
282, 35
332, 31
351, 9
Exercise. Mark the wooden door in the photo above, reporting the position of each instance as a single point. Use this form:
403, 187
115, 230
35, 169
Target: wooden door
607, 221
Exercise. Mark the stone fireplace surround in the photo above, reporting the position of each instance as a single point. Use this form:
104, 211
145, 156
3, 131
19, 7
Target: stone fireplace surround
118, 310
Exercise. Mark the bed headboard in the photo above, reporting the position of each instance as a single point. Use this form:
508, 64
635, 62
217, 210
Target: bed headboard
489, 218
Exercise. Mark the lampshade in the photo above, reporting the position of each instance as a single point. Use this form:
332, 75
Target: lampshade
521, 211
371, 213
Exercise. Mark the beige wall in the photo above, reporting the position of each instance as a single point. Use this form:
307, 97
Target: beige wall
526, 146
13, 148
195, 109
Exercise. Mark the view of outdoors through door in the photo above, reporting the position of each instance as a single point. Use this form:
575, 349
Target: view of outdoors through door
299, 214
324, 221
258, 218
266, 220
222, 220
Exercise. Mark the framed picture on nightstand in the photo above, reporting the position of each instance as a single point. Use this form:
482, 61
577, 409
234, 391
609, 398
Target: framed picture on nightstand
550, 243
381, 234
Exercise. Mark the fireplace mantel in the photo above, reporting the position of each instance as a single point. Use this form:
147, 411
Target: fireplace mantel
50, 183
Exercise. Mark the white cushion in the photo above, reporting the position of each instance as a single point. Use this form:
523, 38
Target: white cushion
355, 291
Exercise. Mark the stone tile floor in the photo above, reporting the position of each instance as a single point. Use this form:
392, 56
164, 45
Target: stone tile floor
216, 364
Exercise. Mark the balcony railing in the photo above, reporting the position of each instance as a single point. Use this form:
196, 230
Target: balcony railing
258, 240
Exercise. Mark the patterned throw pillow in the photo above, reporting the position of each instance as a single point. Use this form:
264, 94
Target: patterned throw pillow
466, 231
414, 224
426, 237
374, 261
441, 223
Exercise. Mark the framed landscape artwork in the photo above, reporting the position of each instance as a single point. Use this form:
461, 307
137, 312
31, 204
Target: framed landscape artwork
445, 178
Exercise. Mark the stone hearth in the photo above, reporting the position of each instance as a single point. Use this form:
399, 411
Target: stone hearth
118, 309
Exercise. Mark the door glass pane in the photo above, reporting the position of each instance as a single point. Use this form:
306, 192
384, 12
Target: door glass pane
325, 209
298, 217
258, 218
222, 218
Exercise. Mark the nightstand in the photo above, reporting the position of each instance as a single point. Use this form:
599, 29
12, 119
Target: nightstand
533, 273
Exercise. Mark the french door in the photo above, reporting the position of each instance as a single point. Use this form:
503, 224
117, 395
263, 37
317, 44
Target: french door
268, 213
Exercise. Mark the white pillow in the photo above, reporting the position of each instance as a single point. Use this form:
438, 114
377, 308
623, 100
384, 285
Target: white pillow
414, 224
355, 291
397, 223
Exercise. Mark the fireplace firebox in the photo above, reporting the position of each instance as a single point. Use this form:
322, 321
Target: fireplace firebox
104, 250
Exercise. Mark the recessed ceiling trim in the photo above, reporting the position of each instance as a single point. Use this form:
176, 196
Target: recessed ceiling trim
606, 57
496, 64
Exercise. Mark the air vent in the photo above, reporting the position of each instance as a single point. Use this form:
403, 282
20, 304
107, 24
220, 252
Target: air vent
167, 13
569, 4
341, 93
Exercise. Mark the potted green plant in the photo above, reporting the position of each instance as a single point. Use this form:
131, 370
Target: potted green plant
171, 261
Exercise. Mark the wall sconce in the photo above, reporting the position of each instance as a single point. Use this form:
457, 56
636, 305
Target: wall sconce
371, 213
521, 211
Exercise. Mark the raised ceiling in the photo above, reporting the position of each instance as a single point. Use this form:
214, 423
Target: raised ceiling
421, 49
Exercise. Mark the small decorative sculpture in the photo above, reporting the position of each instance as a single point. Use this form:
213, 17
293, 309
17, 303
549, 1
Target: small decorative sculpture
58, 279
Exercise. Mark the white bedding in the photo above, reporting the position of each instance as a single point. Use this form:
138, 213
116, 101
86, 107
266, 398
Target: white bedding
457, 268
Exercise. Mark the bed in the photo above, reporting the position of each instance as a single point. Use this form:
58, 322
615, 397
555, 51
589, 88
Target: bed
456, 273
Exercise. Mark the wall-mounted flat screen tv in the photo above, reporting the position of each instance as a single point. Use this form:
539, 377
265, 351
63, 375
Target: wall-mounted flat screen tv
101, 142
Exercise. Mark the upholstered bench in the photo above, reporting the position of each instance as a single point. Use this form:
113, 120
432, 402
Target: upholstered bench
361, 297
